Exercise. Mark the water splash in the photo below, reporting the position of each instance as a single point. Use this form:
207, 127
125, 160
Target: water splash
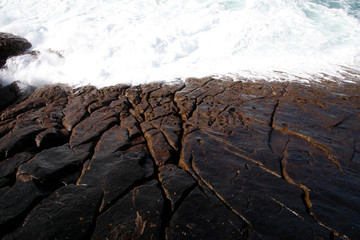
105, 42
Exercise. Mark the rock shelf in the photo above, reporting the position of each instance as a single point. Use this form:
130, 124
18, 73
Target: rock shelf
201, 159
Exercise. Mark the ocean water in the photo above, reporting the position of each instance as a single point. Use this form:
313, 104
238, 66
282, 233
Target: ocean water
105, 42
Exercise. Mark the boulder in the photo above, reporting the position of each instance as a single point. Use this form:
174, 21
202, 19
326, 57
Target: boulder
12, 45
9, 94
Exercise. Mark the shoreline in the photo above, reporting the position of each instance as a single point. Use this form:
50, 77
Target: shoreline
203, 158
11, 45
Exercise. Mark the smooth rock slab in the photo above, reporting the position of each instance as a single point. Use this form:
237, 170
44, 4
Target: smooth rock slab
136, 216
252, 190
343, 214
204, 217
115, 139
114, 173
17, 201
69, 213
49, 164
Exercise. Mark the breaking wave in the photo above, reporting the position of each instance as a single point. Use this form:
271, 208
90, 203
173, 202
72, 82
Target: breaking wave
105, 42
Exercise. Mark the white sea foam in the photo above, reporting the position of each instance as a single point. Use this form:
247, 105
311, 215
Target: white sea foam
105, 42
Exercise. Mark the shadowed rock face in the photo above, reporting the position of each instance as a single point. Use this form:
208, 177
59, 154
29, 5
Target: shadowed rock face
10, 45
204, 159
9, 94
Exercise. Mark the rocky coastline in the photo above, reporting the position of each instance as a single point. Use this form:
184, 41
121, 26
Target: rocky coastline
201, 159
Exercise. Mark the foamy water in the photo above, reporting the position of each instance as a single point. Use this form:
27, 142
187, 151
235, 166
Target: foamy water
105, 42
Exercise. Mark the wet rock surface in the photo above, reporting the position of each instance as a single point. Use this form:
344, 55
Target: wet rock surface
9, 94
204, 159
12, 45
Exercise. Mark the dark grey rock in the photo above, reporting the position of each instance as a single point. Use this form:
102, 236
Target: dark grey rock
11, 45
136, 216
115, 173
68, 213
18, 200
49, 164
204, 217
175, 182
10, 165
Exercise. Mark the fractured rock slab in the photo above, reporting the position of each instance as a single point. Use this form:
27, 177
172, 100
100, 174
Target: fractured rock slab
203, 217
175, 182
136, 216
10, 165
205, 159
93, 126
68, 213
19, 139
17, 200
49, 164
114, 173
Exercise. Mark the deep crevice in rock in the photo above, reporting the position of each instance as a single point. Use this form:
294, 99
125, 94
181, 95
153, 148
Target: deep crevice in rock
185, 194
